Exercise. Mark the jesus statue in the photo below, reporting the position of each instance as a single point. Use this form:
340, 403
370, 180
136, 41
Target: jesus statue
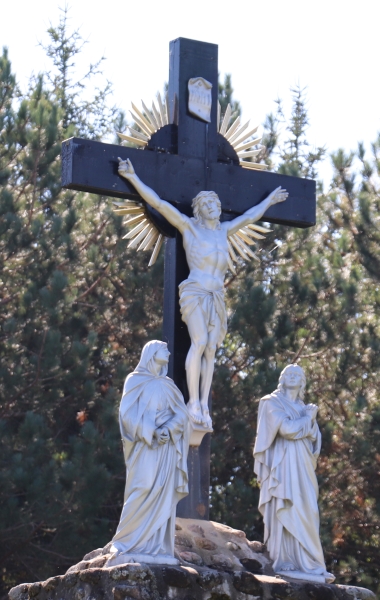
201, 295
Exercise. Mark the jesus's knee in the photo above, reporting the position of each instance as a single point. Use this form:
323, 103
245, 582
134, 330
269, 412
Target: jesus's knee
199, 345
210, 351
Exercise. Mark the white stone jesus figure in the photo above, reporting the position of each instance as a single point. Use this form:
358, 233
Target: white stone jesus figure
202, 294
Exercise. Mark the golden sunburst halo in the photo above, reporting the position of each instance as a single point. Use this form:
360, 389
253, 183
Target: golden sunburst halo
241, 240
239, 140
145, 235
148, 121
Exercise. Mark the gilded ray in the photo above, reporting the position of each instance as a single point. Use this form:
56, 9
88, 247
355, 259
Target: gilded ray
244, 237
256, 227
252, 165
238, 133
135, 220
140, 124
247, 145
235, 125
231, 265
231, 250
162, 110
226, 120
144, 120
128, 211
136, 230
138, 134
133, 140
249, 154
244, 247
151, 118
137, 239
243, 138
252, 234
156, 250
147, 238
157, 115
237, 247
126, 203
152, 240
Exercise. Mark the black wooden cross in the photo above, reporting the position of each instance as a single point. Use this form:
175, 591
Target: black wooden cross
179, 161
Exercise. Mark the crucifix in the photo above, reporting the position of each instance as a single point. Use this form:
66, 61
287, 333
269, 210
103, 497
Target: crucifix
187, 153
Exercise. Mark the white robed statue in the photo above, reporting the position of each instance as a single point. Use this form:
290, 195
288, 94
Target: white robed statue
287, 446
154, 429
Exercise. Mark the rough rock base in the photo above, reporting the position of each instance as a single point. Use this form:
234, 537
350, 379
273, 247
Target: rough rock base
216, 563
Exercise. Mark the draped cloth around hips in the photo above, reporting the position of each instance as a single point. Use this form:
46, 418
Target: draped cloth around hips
193, 294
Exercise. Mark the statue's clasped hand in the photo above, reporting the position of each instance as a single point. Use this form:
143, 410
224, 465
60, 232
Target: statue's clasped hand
162, 435
311, 410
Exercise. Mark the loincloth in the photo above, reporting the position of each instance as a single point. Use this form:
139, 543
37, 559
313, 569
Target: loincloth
192, 294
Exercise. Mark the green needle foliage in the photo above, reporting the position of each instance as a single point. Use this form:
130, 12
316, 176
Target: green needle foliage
76, 310
77, 307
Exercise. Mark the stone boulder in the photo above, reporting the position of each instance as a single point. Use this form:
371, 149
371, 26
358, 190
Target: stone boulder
216, 562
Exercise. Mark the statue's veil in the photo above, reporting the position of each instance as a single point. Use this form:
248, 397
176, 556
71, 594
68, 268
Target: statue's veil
147, 361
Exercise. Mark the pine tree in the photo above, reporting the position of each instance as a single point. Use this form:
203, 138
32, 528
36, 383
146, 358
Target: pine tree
77, 308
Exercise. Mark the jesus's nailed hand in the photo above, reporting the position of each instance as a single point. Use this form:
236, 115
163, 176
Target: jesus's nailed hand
278, 195
125, 168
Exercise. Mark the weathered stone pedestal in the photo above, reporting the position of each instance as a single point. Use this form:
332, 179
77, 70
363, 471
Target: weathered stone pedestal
216, 563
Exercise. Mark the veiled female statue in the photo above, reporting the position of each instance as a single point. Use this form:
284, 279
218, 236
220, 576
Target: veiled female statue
287, 446
154, 430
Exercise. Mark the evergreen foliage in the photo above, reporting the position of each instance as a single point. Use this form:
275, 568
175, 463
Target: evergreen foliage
76, 310
77, 307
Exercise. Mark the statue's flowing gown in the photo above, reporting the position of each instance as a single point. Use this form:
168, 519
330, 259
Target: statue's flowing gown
156, 476
286, 451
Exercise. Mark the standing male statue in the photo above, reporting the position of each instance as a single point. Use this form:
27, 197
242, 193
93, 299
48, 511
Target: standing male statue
202, 294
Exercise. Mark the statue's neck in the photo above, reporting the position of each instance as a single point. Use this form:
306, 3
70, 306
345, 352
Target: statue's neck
211, 224
291, 394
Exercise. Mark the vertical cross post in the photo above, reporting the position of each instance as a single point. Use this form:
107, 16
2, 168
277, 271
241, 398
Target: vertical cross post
196, 139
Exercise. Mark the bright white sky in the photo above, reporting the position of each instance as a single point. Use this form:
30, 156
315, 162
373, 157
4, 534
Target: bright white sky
331, 47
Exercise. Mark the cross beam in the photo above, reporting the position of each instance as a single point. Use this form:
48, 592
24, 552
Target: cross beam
92, 167
180, 160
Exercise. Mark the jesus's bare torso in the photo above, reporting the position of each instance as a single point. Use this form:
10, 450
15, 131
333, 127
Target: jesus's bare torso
206, 254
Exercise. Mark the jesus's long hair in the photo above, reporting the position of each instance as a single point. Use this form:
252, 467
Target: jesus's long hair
195, 205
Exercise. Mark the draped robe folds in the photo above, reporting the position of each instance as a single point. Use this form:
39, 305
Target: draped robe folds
286, 450
193, 294
156, 477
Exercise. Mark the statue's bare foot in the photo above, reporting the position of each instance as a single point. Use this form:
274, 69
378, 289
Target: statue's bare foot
206, 421
194, 411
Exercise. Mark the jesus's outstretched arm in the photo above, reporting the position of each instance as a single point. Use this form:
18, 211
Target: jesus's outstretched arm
174, 216
256, 212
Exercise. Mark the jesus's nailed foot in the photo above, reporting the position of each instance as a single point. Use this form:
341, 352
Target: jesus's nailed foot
195, 412
206, 420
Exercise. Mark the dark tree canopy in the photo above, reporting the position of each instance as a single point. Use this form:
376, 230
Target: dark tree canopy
77, 307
